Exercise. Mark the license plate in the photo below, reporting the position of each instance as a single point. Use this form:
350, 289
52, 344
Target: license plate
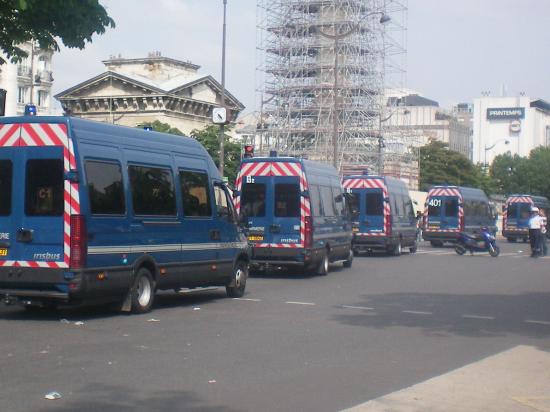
255, 238
3, 252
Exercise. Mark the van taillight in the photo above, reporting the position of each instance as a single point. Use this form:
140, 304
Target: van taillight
79, 243
387, 229
308, 232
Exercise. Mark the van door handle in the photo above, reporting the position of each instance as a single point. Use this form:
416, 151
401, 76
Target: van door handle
24, 235
275, 228
215, 234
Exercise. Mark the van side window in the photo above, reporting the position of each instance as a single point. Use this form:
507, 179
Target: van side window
105, 188
195, 193
315, 199
44, 187
326, 196
224, 206
287, 200
152, 191
6, 173
338, 201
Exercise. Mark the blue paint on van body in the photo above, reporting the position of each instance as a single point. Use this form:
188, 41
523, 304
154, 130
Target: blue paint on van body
159, 203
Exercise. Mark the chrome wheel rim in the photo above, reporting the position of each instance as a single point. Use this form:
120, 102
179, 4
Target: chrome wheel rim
144, 291
238, 277
325, 264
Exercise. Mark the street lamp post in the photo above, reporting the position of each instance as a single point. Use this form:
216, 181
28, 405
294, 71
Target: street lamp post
337, 37
487, 148
222, 126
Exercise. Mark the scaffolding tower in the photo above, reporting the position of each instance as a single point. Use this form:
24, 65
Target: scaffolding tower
322, 66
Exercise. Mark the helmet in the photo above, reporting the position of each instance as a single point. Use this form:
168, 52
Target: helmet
534, 209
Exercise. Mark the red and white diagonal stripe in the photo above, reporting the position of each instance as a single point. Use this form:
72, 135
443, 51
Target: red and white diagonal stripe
46, 134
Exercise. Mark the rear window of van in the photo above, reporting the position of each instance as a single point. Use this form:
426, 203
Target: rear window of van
287, 200
253, 200
6, 173
374, 204
44, 187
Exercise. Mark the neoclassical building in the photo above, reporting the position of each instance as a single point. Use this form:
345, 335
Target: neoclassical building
137, 91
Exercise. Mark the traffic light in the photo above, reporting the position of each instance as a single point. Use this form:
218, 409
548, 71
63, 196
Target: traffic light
30, 110
248, 151
3, 102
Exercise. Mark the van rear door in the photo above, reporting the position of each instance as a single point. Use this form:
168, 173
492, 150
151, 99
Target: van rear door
285, 228
9, 166
443, 213
255, 209
374, 211
40, 223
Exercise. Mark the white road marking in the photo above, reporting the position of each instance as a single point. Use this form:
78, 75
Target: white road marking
357, 307
248, 299
538, 322
417, 312
478, 317
301, 303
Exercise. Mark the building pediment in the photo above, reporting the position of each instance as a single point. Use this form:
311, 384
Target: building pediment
206, 88
108, 84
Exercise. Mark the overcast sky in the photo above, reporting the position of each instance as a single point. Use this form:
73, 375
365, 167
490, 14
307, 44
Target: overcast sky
456, 48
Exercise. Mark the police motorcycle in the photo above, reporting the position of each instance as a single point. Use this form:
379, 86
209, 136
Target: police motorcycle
484, 242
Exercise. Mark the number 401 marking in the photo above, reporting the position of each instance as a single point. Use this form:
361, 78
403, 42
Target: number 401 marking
435, 202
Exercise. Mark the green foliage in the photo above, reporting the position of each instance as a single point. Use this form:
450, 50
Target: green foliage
158, 126
72, 21
209, 138
523, 175
439, 165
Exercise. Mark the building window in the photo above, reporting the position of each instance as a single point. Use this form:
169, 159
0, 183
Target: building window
22, 94
43, 98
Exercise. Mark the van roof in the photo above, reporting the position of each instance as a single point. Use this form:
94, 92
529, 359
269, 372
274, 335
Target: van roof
104, 132
471, 193
308, 164
537, 199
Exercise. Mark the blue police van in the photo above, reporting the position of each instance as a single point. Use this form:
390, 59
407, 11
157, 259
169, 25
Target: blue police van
516, 213
96, 212
383, 214
450, 210
295, 214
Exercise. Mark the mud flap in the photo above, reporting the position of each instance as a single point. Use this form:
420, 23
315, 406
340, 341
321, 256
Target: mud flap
127, 304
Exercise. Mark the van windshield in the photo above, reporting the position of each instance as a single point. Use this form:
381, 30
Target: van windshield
253, 200
44, 187
287, 200
374, 204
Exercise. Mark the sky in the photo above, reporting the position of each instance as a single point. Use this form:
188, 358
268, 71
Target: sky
456, 49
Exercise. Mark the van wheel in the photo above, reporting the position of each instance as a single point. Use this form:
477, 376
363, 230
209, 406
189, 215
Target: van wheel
322, 269
397, 249
143, 291
238, 281
349, 261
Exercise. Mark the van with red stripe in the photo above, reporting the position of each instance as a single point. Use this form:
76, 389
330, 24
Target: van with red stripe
91, 212
516, 213
294, 212
383, 214
450, 210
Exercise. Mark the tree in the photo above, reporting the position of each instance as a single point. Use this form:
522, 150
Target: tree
439, 165
209, 138
158, 126
73, 21
510, 174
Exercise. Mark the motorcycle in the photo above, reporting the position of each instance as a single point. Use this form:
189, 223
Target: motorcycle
485, 242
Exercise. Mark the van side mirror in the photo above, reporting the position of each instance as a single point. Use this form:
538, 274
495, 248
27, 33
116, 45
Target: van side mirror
72, 176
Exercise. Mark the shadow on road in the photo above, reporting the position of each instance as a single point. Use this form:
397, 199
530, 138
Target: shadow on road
294, 273
106, 398
445, 314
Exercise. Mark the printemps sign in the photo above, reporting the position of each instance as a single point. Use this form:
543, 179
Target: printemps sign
506, 113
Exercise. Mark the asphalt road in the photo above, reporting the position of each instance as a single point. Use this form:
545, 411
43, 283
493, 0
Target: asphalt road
294, 343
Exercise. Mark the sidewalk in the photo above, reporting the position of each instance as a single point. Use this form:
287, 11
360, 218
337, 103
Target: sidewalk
517, 380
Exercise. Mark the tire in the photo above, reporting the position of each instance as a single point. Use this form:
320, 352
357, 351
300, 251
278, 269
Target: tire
323, 267
494, 252
238, 280
143, 291
349, 261
436, 243
460, 250
414, 247
511, 239
397, 249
